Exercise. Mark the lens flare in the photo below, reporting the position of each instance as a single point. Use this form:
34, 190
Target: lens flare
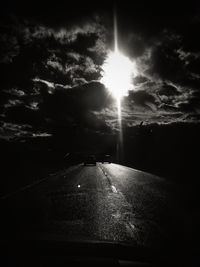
117, 76
118, 71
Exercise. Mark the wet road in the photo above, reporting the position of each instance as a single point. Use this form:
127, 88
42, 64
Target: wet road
102, 202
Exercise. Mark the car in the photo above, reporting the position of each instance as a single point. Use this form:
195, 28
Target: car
106, 158
90, 160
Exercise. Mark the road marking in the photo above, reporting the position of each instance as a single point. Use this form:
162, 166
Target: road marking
106, 175
132, 226
130, 229
114, 189
123, 214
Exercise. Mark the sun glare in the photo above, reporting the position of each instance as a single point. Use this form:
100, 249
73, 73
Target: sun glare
118, 71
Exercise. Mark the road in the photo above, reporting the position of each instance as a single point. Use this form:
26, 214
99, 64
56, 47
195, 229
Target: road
103, 202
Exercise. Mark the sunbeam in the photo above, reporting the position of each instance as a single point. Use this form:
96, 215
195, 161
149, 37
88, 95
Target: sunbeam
118, 72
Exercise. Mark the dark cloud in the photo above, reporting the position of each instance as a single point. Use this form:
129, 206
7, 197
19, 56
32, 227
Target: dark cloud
57, 106
166, 63
75, 102
169, 90
44, 51
143, 98
168, 108
140, 80
191, 105
51, 64
22, 114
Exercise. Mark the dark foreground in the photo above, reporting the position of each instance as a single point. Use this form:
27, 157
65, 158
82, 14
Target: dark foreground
106, 203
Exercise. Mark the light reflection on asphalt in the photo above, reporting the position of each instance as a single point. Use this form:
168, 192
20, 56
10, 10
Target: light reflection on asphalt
102, 202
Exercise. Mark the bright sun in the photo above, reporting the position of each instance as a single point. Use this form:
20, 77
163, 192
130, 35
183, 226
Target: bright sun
118, 71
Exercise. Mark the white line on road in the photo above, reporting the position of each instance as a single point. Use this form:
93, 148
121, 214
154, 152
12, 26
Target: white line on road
130, 229
131, 226
123, 209
114, 189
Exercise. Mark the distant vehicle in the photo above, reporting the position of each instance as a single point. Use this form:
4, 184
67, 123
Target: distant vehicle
106, 159
90, 160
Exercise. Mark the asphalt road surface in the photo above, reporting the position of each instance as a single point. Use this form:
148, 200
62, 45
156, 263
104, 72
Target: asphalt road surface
103, 202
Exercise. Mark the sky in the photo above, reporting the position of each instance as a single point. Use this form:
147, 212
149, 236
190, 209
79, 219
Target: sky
51, 60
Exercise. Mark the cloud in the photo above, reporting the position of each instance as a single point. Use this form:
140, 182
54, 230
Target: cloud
140, 79
50, 74
169, 90
76, 101
13, 103
23, 114
12, 131
55, 65
60, 107
15, 92
168, 108
143, 98
10, 48
63, 35
54, 54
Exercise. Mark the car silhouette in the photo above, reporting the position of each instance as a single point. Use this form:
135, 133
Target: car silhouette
90, 160
106, 159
